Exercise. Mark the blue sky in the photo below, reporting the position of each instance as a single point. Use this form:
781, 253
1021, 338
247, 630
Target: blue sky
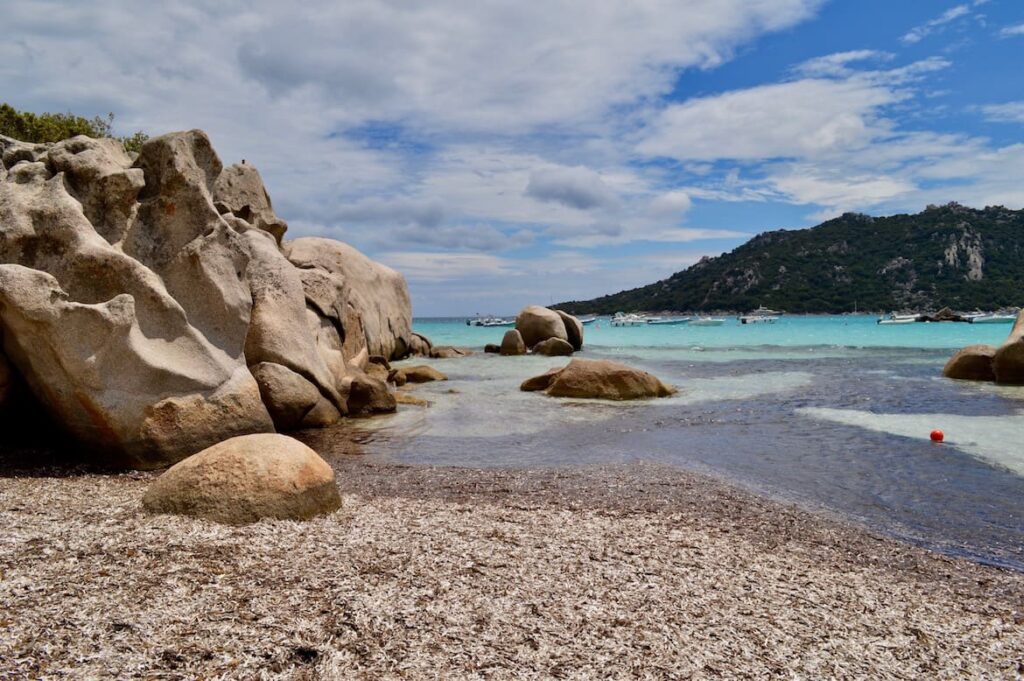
502, 154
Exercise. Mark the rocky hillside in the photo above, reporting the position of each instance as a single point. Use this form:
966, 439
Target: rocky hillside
151, 306
944, 256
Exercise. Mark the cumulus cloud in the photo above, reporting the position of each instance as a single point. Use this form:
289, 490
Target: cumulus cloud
1012, 31
576, 187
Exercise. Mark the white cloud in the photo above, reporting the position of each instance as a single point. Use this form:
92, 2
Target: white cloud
919, 33
838, 64
1010, 112
1012, 31
575, 187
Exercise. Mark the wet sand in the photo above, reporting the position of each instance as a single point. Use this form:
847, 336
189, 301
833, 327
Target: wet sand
622, 571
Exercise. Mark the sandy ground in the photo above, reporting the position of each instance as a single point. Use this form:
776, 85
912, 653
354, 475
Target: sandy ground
624, 572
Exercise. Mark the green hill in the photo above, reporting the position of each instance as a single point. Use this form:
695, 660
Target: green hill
944, 256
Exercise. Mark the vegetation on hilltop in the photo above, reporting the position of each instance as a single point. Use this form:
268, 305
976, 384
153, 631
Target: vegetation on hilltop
54, 127
944, 256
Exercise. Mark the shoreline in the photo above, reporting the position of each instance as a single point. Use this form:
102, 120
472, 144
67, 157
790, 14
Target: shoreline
633, 569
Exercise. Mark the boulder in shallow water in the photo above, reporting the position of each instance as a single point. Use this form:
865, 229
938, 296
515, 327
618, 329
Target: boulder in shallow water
492, 349
417, 374
247, 478
368, 394
553, 347
448, 352
542, 382
599, 379
573, 329
1008, 363
512, 343
973, 363
536, 324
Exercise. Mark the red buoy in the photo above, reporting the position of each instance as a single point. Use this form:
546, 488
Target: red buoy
938, 436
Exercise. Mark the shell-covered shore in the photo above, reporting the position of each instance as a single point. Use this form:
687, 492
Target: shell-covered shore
626, 571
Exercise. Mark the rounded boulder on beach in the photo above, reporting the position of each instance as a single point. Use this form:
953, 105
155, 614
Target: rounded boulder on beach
247, 478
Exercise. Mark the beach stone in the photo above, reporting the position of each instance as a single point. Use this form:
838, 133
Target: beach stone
542, 382
553, 347
245, 479
288, 396
973, 363
536, 324
492, 349
419, 345
573, 329
448, 352
512, 343
600, 379
418, 374
1008, 362
403, 397
368, 394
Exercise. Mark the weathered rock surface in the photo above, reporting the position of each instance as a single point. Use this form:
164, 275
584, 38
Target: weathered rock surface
599, 379
1008, 362
6, 382
135, 296
973, 363
553, 347
536, 324
492, 348
368, 394
417, 374
244, 479
512, 343
374, 294
573, 329
420, 345
449, 352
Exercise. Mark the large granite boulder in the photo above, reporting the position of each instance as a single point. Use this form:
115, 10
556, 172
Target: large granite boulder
598, 379
536, 324
553, 347
1008, 362
973, 363
373, 299
512, 343
239, 191
417, 374
148, 305
247, 478
573, 329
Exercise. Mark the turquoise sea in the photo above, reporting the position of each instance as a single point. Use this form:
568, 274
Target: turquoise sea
830, 412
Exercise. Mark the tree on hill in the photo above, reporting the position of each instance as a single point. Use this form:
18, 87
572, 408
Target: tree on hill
54, 127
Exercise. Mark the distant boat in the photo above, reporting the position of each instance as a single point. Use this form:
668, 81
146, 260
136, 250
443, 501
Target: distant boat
761, 315
894, 318
668, 321
587, 320
490, 321
992, 318
706, 321
631, 319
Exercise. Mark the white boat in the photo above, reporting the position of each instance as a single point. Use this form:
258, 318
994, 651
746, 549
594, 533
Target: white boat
587, 320
761, 315
490, 321
706, 321
669, 321
631, 319
992, 318
894, 318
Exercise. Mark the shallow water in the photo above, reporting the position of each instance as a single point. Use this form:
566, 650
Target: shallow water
841, 423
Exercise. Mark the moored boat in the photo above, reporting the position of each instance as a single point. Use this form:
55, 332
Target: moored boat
761, 315
895, 318
630, 319
490, 322
1000, 317
706, 321
668, 321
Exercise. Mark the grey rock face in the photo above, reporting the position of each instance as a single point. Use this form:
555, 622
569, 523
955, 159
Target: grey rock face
135, 295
